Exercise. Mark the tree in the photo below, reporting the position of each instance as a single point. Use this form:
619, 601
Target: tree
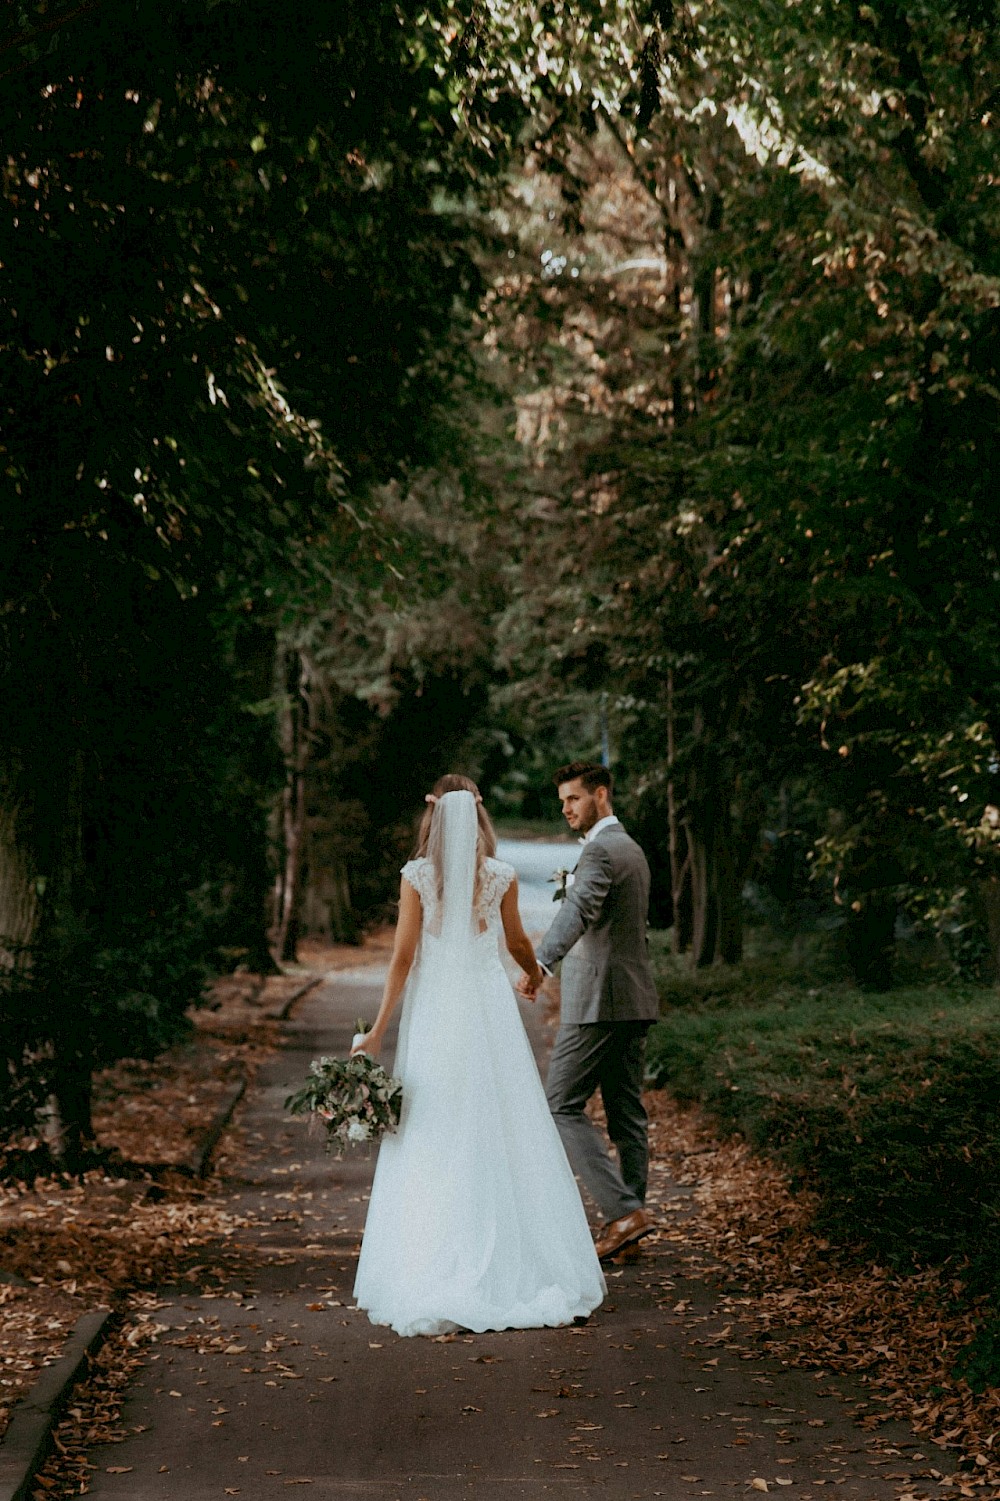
225, 281
749, 439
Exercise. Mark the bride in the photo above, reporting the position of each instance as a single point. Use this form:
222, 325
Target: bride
475, 1220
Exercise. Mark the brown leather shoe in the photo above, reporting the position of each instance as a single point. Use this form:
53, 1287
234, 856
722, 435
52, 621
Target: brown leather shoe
624, 1232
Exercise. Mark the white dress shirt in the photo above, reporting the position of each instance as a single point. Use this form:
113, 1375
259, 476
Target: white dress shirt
602, 823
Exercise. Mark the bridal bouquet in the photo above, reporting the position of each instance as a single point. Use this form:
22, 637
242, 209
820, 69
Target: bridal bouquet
355, 1098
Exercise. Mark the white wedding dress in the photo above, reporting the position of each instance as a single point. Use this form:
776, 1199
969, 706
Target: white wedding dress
475, 1219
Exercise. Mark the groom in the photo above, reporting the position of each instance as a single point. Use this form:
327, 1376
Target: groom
608, 1004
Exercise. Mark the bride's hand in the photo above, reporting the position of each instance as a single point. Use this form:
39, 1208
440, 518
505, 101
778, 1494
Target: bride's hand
369, 1044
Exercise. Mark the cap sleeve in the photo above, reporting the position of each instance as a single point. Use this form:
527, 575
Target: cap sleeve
414, 872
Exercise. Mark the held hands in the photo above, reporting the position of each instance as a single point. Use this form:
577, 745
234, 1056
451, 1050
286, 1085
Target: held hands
529, 985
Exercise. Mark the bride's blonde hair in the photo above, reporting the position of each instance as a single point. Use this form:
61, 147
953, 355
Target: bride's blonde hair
486, 842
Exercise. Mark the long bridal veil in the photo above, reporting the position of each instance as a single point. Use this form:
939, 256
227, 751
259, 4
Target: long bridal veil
450, 964
451, 929
451, 849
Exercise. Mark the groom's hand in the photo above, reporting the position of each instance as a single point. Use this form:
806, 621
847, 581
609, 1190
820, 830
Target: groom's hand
528, 986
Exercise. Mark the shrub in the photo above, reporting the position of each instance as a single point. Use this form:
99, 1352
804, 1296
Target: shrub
888, 1106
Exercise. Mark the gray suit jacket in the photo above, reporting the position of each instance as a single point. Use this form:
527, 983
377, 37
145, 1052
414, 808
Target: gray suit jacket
600, 932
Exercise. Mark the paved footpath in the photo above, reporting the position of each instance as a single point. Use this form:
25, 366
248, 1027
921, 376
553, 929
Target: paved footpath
266, 1379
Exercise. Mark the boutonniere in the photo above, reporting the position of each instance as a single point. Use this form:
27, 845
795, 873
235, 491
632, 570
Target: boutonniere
563, 881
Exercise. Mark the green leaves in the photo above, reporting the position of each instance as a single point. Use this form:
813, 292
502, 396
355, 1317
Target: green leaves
229, 292
749, 342
356, 1099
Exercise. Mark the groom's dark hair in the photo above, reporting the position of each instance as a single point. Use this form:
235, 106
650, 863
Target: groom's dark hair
588, 772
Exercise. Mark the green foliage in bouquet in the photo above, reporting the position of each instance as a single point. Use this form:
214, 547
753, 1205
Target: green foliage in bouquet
355, 1098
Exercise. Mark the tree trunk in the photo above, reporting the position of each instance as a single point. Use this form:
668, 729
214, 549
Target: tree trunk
736, 852
870, 940
720, 851
702, 848
705, 304
19, 886
248, 922
294, 745
62, 947
246, 926
343, 922
680, 860
701, 816
729, 880
42, 877
73, 1088
987, 899
683, 903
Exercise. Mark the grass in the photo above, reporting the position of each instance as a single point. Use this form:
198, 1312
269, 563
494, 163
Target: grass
887, 1105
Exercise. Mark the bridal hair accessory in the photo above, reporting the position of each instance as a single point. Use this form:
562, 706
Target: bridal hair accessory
430, 798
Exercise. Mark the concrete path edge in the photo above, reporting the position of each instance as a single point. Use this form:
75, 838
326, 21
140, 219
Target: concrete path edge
213, 1135
28, 1440
297, 995
210, 1140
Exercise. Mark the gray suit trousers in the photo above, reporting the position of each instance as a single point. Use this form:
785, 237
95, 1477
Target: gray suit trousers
609, 1056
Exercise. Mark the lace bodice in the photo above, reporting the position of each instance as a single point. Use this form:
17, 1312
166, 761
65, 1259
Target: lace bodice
497, 876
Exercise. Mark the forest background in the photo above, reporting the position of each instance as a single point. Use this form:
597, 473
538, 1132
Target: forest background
422, 385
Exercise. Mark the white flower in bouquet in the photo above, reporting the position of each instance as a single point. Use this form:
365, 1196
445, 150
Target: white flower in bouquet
357, 1131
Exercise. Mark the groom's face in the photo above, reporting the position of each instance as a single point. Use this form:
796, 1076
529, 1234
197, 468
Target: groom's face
582, 809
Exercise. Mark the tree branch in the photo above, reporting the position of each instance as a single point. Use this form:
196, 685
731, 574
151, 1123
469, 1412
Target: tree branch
29, 36
672, 235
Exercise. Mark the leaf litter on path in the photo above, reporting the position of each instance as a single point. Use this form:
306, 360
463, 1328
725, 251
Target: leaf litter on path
69, 1245
813, 1306
824, 1308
